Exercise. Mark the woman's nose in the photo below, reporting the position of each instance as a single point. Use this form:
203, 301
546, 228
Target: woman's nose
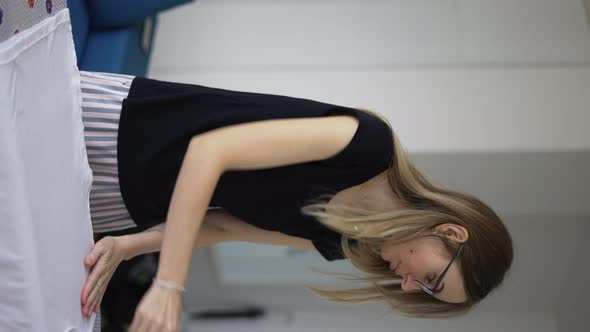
408, 284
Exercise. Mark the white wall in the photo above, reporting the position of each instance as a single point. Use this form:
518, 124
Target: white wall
573, 304
512, 120
307, 34
352, 321
450, 75
487, 96
445, 109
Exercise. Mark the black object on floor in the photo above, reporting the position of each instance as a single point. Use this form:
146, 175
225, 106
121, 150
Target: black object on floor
249, 312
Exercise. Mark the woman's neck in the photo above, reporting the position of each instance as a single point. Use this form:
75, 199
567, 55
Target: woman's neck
374, 194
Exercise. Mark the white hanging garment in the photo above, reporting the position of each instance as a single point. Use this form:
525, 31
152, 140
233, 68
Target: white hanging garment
45, 180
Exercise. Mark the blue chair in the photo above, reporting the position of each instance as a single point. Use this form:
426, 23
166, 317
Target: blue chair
115, 35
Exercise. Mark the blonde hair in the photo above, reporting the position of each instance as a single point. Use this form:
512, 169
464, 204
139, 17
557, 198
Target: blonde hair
484, 260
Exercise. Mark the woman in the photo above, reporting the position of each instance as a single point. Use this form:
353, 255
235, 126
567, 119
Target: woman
279, 170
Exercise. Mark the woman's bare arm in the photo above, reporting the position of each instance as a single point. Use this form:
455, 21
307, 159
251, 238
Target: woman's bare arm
218, 227
150, 240
257, 145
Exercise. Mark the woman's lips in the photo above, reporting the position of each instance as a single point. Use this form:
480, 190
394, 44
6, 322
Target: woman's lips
393, 266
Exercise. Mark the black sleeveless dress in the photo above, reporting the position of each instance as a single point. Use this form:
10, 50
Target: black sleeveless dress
159, 118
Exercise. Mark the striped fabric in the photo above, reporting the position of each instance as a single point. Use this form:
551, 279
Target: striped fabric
102, 97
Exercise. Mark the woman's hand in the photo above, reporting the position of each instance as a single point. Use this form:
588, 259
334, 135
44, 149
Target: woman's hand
158, 311
103, 259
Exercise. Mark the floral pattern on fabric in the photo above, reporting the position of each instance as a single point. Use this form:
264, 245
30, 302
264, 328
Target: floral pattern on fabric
19, 15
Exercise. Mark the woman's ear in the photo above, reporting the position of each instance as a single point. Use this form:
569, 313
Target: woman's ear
453, 232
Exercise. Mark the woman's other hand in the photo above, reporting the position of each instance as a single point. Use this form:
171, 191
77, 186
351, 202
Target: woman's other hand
158, 311
102, 261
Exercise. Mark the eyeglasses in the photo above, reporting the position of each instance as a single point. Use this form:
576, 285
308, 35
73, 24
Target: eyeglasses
434, 290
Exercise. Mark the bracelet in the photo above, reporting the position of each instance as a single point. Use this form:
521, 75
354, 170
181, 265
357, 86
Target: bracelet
169, 285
